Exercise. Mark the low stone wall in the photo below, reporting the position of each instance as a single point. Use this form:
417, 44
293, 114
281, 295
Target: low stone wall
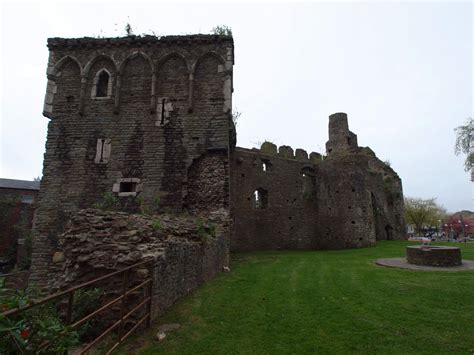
434, 256
187, 251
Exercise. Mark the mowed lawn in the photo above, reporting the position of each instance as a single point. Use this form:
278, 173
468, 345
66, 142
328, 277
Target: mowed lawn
309, 302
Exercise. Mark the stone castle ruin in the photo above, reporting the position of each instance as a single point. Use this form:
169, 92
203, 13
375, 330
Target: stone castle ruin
147, 122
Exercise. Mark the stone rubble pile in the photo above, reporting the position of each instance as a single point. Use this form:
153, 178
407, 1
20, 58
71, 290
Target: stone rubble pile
98, 242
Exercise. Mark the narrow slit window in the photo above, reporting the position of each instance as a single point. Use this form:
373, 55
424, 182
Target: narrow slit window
103, 151
260, 199
163, 112
102, 84
308, 182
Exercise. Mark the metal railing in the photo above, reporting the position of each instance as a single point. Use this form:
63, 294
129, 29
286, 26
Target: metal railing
146, 284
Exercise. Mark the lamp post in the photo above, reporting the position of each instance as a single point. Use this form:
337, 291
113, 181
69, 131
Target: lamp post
462, 226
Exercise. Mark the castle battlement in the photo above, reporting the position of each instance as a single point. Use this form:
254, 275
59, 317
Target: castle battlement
287, 152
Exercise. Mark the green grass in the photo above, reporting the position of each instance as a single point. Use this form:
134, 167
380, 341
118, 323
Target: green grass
322, 302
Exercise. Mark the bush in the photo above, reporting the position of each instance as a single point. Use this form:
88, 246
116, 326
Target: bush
109, 202
205, 230
222, 30
31, 330
156, 225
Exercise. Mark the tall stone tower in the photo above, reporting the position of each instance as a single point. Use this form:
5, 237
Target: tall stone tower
145, 120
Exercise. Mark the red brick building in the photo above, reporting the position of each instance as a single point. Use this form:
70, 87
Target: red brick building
17, 198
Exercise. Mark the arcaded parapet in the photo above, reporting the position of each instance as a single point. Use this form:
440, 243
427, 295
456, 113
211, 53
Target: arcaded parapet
132, 117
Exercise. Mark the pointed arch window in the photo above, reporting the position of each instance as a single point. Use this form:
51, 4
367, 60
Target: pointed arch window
102, 88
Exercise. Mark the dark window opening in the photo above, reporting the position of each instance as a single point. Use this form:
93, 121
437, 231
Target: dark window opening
102, 150
353, 222
349, 140
353, 190
266, 165
329, 150
308, 183
102, 84
389, 232
260, 199
128, 186
163, 111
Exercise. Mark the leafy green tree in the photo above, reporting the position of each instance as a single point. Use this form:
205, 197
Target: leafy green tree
421, 213
465, 143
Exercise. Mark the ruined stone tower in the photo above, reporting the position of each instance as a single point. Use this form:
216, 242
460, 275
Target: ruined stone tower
340, 138
143, 119
145, 123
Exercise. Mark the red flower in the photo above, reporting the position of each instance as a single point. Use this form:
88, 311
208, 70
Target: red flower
25, 333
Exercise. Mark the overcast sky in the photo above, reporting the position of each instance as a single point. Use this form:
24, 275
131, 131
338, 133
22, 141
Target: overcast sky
402, 71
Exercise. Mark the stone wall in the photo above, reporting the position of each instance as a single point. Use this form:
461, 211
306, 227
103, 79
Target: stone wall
348, 200
166, 107
187, 251
286, 218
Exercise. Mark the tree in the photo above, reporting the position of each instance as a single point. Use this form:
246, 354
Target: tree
421, 213
235, 117
465, 143
454, 223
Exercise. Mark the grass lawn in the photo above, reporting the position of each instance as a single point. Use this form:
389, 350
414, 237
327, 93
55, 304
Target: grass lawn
322, 302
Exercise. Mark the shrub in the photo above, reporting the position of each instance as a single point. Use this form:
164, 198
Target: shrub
109, 202
30, 330
205, 230
156, 225
222, 30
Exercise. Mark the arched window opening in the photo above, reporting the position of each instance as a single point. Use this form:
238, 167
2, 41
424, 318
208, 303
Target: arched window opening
260, 199
102, 84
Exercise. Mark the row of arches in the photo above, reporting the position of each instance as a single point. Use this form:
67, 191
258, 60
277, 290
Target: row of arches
138, 76
190, 64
